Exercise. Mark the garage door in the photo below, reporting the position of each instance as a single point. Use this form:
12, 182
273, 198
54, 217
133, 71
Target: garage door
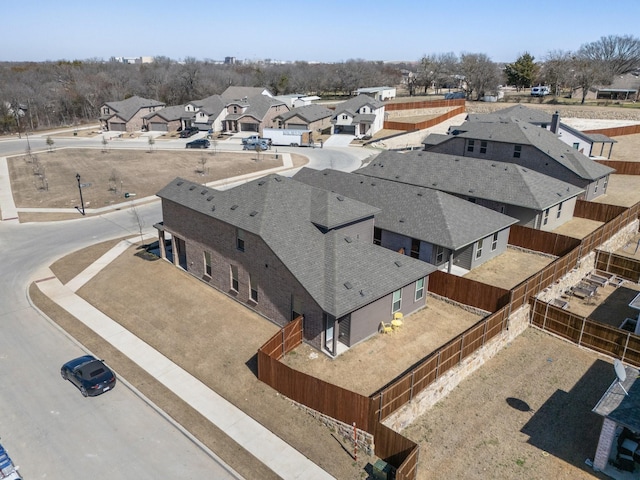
248, 127
346, 129
296, 126
117, 127
159, 127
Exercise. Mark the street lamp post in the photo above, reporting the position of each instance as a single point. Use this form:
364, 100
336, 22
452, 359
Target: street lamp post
81, 208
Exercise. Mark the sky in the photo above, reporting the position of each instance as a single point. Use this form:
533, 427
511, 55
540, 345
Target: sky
307, 30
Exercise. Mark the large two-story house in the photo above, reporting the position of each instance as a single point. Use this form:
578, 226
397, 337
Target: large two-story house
252, 114
423, 223
527, 145
360, 116
285, 249
311, 117
534, 199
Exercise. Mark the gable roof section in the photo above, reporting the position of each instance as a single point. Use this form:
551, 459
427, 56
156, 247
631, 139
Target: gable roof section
308, 113
520, 112
259, 106
280, 210
355, 103
211, 105
502, 182
126, 109
169, 114
426, 214
517, 132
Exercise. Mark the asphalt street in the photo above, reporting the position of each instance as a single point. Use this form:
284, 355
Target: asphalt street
50, 430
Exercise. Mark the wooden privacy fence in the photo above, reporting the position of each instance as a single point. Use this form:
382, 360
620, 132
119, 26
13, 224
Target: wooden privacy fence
584, 332
600, 212
616, 131
622, 168
545, 242
624, 267
413, 126
390, 107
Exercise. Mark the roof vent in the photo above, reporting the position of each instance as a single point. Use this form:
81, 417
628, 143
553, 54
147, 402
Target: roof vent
398, 263
261, 182
192, 187
373, 184
209, 198
253, 213
397, 176
233, 207
348, 285
493, 164
471, 190
180, 183
362, 293
435, 184
401, 220
419, 194
456, 159
340, 198
348, 239
213, 209
203, 192
277, 179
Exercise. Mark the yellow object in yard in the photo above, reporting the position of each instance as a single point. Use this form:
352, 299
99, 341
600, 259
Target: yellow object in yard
385, 328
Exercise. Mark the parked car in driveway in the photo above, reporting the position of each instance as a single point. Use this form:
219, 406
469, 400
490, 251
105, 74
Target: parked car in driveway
189, 132
90, 375
199, 143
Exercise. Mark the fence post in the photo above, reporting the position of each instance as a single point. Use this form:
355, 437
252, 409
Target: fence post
438, 364
283, 346
380, 408
461, 349
626, 344
484, 333
413, 374
584, 320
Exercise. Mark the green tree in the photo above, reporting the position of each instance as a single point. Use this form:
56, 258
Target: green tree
523, 72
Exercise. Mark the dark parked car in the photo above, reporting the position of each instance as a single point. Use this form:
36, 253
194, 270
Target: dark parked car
188, 132
90, 375
199, 143
454, 95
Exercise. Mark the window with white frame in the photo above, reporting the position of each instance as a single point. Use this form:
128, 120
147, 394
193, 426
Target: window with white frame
253, 285
240, 239
545, 219
559, 214
494, 242
234, 278
397, 301
595, 188
207, 264
419, 289
470, 145
479, 248
517, 151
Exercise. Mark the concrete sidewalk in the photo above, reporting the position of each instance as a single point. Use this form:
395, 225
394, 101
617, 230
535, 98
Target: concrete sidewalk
276, 454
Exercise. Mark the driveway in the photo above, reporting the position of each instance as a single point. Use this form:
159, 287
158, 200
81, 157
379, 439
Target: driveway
339, 140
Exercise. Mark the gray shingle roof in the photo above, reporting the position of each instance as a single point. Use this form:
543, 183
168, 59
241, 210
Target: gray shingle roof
355, 103
618, 406
498, 181
282, 211
422, 213
168, 113
237, 93
517, 132
309, 113
520, 112
211, 105
259, 105
126, 109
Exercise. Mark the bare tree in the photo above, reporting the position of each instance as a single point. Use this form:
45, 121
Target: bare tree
556, 71
113, 181
203, 163
480, 74
105, 145
151, 142
138, 219
587, 73
619, 54
50, 143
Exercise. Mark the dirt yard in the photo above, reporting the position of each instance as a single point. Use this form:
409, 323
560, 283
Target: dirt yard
49, 181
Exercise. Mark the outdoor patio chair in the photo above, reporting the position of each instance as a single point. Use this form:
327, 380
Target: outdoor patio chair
385, 328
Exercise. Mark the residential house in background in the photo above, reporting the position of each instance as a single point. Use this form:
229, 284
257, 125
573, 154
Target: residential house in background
206, 114
591, 144
379, 93
529, 146
285, 249
127, 115
296, 100
233, 92
167, 119
252, 114
534, 199
311, 117
623, 87
360, 116
422, 223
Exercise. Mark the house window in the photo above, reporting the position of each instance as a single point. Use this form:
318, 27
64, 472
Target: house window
604, 184
419, 289
479, 249
517, 150
595, 188
439, 254
105, 111
377, 236
559, 210
240, 239
234, 278
235, 109
415, 248
494, 242
502, 209
207, 264
397, 301
344, 117
253, 285
546, 217
576, 145
483, 147
470, 145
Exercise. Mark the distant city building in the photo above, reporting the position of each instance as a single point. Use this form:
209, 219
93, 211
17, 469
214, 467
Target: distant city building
229, 60
134, 60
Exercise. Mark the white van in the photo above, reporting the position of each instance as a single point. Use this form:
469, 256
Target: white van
539, 91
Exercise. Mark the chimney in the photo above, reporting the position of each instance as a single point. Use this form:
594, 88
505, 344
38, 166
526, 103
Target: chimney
555, 122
